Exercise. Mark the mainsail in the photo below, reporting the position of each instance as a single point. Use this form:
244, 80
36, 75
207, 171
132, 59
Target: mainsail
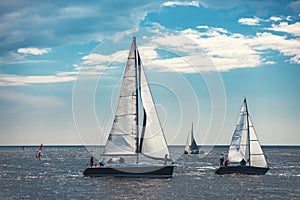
124, 138
244, 143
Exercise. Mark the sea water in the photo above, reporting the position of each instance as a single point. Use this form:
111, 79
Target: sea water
59, 176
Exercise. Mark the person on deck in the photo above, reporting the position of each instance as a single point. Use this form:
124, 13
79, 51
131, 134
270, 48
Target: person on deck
226, 162
166, 159
222, 160
102, 163
243, 162
92, 161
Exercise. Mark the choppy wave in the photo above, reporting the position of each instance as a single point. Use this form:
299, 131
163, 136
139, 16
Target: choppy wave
59, 176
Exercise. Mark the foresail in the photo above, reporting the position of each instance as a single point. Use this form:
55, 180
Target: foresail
194, 145
153, 142
239, 147
187, 145
122, 137
257, 157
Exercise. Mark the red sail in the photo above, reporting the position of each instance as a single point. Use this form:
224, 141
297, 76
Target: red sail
39, 153
41, 147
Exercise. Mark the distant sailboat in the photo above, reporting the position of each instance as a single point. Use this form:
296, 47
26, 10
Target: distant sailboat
39, 154
245, 155
193, 147
125, 138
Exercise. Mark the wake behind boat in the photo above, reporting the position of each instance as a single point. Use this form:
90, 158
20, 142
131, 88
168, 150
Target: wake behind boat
125, 139
245, 155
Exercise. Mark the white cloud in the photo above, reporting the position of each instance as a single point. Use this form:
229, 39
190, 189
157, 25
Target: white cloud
93, 59
55, 23
202, 49
275, 18
288, 47
181, 3
269, 62
203, 27
78, 12
293, 29
249, 21
15, 80
289, 18
34, 51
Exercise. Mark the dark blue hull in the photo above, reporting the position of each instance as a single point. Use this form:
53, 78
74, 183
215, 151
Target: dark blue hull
139, 172
250, 170
191, 152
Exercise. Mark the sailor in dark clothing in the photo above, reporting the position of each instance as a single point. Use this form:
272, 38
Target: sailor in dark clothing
102, 163
222, 160
243, 162
92, 161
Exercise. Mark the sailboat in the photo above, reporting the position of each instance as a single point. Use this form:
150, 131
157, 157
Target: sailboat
245, 155
126, 139
193, 147
39, 154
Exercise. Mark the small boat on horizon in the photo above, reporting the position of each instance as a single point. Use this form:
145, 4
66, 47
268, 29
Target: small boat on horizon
245, 155
126, 141
193, 147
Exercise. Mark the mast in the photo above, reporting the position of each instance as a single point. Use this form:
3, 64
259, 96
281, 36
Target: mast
192, 133
137, 85
192, 137
248, 131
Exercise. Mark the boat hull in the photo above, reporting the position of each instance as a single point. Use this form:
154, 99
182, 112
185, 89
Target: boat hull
191, 152
131, 171
250, 170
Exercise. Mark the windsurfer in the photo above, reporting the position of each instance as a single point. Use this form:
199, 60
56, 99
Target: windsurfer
39, 155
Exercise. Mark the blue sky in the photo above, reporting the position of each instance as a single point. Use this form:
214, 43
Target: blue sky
61, 64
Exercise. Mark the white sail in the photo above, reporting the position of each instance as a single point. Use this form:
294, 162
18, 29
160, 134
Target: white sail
257, 157
244, 143
122, 137
153, 143
194, 146
239, 148
187, 145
